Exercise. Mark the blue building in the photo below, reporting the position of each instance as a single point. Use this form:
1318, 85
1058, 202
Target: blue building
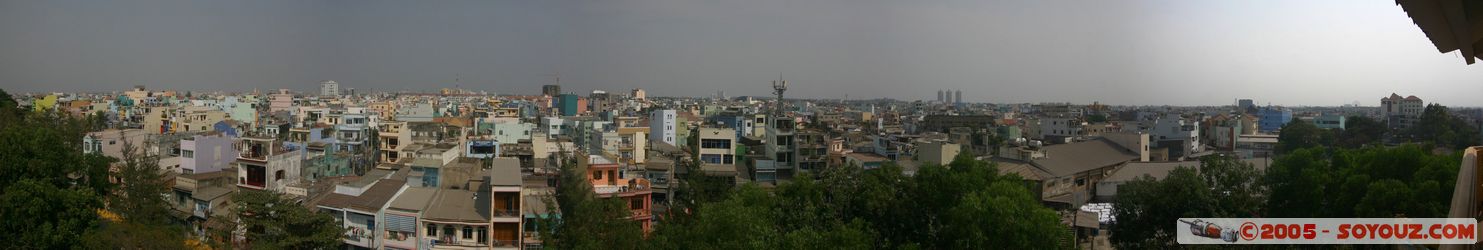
1272, 119
567, 104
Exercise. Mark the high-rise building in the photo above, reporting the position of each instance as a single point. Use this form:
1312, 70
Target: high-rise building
958, 97
567, 104
639, 94
939, 95
551, 90
600, 101
662, 126
329, 88
1272, 119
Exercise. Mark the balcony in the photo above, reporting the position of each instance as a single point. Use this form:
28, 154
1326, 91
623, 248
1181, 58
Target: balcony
449, 240
634, 187
640, 214
505, 212
505, 243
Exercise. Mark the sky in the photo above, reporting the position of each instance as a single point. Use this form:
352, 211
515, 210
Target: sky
1171, 52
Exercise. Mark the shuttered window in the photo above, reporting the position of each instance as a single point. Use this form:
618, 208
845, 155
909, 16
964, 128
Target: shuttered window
401, 223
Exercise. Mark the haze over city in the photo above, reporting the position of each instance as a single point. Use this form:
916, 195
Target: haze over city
739, 124
1126, 52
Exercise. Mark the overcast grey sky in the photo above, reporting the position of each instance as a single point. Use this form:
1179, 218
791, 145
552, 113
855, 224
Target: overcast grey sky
1174, 52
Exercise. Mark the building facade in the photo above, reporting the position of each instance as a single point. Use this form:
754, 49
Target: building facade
662, 126
329, 88
1401, 112
1272, 119
206, 153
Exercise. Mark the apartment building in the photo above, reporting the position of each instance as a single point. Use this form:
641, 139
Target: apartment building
1272, 119
662, 126
207, 152
780, 147
394, 137
506, 195
631, 145
717, 146
263, 163
1180, 136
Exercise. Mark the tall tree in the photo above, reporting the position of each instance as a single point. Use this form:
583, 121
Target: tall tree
50, 191
1299, 134
1438, 125
586, 221
1405, 180
271, 221
1360, 131
1145, 207
140, 197
1223, 187
39, 215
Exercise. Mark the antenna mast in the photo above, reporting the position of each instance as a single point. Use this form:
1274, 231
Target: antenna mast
778, 87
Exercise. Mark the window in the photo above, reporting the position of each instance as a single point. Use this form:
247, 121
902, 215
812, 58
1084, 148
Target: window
483, 234
448, 231
727, 159
711, 158
468, 232
278, 175
188, 153
636, 204
597, 175
432, 230
715, 143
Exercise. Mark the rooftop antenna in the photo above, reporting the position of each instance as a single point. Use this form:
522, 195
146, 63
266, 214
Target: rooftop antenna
778, 87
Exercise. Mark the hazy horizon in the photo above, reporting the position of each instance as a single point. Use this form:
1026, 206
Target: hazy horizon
1184, 53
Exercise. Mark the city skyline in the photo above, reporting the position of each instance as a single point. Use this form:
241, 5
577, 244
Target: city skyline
1134, 53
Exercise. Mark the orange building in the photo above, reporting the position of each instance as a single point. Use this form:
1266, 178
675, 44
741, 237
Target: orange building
610, 180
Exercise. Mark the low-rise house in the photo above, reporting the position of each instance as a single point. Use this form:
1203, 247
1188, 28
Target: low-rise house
360, 206
1067, 172
197, 197
402, 219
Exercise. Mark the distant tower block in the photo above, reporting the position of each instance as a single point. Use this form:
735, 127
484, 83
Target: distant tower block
329, 88
958, 97
940, 95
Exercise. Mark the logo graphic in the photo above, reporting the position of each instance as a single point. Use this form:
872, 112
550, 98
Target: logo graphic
1206, 229
1409, 231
